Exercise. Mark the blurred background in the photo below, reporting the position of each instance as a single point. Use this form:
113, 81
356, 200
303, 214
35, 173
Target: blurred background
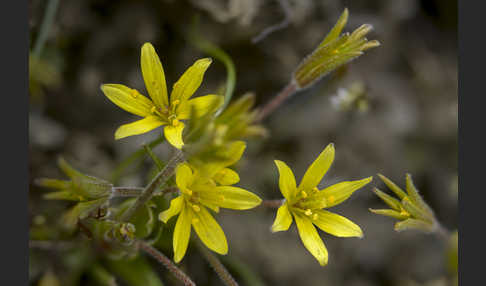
392, 111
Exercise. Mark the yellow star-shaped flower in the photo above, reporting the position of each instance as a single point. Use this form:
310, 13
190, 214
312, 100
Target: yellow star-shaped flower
162, 110
305, 204
197, 194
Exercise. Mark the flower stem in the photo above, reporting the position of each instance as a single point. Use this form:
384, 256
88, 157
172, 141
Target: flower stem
161, 178
160, 257
268, 108
442, 232
218, 267
45, 26
272, 203
127, 191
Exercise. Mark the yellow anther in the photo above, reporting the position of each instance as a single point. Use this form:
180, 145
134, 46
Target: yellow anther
195, 220
331, 199
308, 212
315, 189
196, 208
315, 216
304, 194
176, 102
404, 213
175, 122
153, 109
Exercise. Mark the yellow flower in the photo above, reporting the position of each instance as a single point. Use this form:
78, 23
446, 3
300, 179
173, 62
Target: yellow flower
197, 194
162, 110
305, 204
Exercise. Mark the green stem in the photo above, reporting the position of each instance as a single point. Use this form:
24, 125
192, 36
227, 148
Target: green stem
160, 179
156, 159
216, 52
218, 267
160, 257
45, 26
129, 161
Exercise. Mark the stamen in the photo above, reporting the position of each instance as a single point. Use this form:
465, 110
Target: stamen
196, 208
304, 194
308, 212
175, 122
331, 199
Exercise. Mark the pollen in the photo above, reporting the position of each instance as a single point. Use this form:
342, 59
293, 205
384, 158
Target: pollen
175, 122
176, 102
153, 109
315, 189
304, 194
308, 212
196, 208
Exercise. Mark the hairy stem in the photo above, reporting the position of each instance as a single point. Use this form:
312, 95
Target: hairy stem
270, 107
161, 178
127, 191
272, 203
218, 267
160, 257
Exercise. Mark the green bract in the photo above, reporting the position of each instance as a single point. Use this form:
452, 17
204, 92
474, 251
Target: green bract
409, 208
334, 51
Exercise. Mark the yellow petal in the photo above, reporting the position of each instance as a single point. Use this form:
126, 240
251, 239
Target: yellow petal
190, 81
175, 208
227, 156
336, 225
209, 231
286, 180
311, 239
340, 192
184, 176
229, 197
141, 126
205, 104
173, 134
283, 220
226, 177
182, 233
128, 99
317, 169
153, 76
